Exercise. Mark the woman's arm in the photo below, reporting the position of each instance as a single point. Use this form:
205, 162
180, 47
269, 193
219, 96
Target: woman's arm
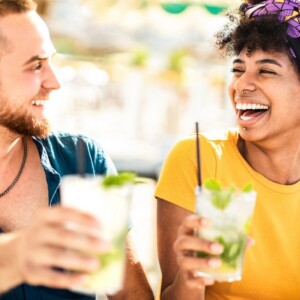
176, 246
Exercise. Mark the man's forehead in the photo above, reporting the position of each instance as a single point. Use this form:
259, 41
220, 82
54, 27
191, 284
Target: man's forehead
23, 25
27, 38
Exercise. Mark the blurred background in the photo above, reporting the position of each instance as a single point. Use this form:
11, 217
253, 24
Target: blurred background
136, 75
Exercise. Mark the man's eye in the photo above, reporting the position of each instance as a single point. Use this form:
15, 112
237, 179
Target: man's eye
37, 67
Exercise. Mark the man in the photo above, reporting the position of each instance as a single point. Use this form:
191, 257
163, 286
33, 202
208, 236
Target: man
33, 237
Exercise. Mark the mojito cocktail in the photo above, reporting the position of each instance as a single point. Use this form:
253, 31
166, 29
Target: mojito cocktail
110, 204
230, 212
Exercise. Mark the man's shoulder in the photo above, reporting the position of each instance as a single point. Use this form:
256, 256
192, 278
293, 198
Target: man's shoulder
67, 140
64, 144
62, 150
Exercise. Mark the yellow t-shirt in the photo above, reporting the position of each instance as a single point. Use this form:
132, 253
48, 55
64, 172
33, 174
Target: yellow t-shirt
272, 266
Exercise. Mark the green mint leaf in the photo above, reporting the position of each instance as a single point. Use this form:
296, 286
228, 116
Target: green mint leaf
212, 184
247, 188
119, 179
221, 199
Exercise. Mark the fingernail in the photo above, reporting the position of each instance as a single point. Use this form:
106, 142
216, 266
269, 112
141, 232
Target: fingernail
209, 281
94, 264
105, 246
214, 262
203, 221
216, 248
85, 279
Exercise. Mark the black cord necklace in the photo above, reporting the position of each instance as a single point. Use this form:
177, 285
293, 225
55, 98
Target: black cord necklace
24, 142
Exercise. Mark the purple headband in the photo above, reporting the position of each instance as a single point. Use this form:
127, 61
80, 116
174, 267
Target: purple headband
288, 11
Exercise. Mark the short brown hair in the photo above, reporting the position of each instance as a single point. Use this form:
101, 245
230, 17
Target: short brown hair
13, 7
16, 6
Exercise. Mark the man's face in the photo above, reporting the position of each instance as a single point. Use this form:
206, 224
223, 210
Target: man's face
26, 74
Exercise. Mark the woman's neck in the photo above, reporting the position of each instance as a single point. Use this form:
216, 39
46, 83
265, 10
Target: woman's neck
280, 164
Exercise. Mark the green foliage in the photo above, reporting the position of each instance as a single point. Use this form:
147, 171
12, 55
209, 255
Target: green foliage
176, 60
139, 57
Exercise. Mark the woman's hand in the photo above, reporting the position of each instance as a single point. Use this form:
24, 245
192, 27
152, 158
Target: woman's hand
175, 231
185, 246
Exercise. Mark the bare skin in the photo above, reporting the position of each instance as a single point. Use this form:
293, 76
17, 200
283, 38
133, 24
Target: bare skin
269, 143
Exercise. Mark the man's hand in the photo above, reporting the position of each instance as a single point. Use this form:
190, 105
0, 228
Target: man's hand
50, 253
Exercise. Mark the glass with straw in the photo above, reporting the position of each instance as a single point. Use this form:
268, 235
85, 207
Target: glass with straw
229, 211
109, 203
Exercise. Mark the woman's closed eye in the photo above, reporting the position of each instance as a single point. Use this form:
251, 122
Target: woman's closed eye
266, 71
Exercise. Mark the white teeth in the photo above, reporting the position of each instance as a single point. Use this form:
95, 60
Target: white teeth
38, 102
245, 118
245, 106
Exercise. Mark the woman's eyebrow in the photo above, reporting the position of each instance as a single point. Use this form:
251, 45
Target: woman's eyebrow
268, 61
238, 61
259, 62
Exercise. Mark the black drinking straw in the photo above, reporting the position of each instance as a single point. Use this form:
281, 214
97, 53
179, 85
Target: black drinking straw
80, 157
198, 155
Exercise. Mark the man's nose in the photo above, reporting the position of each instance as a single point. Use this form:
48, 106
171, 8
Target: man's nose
51, 81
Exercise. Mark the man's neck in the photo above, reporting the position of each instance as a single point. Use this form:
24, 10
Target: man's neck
10, 147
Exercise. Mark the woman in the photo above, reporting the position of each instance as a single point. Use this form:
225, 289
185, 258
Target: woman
264, 149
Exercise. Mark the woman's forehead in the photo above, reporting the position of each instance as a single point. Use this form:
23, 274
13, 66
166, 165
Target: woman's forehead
258, 54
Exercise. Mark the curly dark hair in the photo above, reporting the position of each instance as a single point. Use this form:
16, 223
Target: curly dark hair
265, 33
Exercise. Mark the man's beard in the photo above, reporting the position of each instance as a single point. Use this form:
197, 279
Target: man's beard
20, 121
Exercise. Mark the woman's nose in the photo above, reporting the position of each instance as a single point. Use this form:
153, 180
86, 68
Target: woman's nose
245, 82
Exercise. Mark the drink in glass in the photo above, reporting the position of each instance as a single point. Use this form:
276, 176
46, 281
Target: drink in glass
109, 204
230, 212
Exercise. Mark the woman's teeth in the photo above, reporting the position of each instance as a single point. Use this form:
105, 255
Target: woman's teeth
245, 106
248, 111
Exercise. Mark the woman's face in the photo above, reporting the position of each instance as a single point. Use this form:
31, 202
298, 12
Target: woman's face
265, 93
